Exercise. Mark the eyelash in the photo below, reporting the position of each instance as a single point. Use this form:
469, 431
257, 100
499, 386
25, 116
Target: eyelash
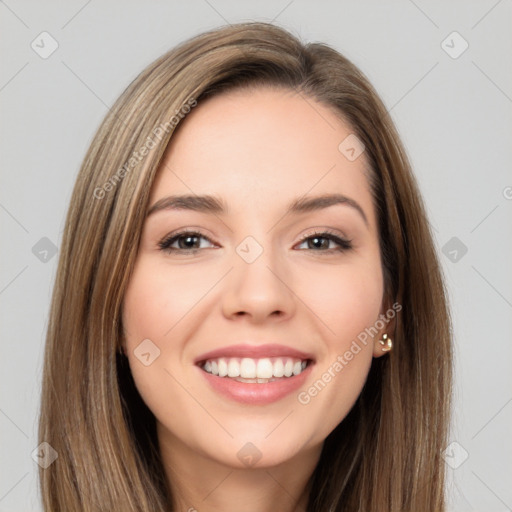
343, 243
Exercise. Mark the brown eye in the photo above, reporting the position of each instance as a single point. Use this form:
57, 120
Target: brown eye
184, 241
326, 242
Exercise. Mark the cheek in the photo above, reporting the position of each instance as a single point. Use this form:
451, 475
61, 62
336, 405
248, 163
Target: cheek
160, 304
346, 302
152, 308
157, 300
346, 299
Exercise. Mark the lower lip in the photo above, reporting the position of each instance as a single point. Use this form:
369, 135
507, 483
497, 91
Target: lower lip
254, 393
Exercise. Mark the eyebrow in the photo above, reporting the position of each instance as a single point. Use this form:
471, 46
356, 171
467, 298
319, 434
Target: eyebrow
214, 205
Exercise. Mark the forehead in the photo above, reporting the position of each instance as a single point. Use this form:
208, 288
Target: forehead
262, 147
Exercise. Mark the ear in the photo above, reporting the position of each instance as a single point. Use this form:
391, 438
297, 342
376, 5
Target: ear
386, 327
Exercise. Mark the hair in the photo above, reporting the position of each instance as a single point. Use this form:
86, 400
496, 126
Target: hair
386, 454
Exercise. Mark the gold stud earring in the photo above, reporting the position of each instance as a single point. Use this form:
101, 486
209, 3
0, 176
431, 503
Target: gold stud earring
386, 343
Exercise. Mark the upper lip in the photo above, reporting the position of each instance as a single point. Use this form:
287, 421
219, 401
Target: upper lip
255, 352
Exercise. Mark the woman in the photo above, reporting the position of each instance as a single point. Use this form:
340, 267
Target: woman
249, 312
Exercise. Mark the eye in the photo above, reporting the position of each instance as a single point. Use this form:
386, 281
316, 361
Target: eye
192, 241
185, 241
325, 242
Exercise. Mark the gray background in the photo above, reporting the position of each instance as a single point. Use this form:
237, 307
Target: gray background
454, 115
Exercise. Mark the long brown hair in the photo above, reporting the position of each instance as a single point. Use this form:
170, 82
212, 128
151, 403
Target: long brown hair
386, 455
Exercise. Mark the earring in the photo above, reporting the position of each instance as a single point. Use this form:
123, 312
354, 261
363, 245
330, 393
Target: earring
386, 342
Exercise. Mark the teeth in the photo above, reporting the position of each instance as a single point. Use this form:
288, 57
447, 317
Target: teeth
264, 369
288, 368
253, 381
223, 367
248, 368
233, 369
278, 368
255, 370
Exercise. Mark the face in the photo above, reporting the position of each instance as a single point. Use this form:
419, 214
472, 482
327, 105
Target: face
253, 275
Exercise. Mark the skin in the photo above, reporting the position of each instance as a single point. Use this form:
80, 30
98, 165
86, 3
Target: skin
256, 150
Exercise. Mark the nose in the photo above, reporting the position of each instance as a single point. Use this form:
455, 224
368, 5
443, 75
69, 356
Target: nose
259, 291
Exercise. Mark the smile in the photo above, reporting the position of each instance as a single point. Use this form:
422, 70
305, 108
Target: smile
255, 374
250, 370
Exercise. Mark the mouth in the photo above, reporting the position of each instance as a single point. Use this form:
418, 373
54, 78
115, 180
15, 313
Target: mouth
252, 381
255, 370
